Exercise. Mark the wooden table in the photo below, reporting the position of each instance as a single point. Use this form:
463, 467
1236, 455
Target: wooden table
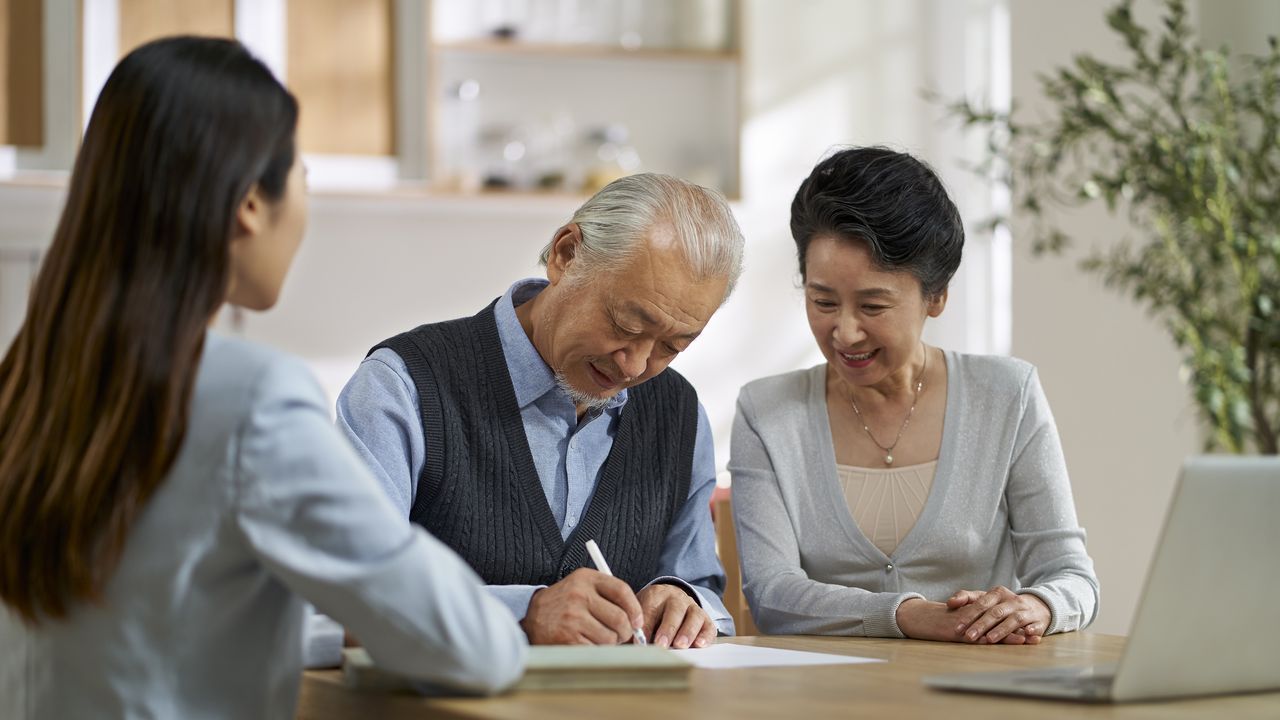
884, 690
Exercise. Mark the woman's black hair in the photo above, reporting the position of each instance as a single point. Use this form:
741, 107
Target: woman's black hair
95, 389
888, 200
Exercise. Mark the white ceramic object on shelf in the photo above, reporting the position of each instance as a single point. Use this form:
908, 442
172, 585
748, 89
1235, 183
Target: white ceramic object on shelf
702, 24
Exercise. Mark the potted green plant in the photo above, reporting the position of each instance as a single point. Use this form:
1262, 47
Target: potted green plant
1186, 142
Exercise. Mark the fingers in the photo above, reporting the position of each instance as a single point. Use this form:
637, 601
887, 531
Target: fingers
1023, 615
975, 610
619, 594
585, 607
673, 615
708, 633
1005, 627
611, 618
963, 597
652, 605
979, 628
1034, 629
694, 620
1014, 638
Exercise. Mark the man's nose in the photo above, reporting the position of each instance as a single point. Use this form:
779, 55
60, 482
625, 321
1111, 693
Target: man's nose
633, 359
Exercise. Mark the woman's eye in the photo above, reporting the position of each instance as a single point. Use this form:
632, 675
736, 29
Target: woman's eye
824, 303
875, 308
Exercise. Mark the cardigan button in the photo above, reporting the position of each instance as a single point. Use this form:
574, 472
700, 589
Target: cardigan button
888, 568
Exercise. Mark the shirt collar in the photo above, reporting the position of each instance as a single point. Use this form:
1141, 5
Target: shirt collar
530, 375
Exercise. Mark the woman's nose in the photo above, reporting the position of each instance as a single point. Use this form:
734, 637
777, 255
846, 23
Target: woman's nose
848, 331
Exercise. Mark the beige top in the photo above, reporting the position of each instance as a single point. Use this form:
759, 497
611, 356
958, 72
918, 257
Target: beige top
885, 502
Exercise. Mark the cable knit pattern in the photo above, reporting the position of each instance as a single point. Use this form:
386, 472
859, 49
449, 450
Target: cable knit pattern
480, 493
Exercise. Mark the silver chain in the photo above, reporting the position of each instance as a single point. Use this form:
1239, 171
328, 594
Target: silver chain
888, 451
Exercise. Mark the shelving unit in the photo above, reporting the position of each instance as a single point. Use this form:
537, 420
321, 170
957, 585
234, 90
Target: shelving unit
373, 78
526, 114
583, 51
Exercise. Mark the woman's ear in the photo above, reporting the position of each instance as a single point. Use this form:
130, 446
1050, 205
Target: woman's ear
937, 303
564, 249
251, 215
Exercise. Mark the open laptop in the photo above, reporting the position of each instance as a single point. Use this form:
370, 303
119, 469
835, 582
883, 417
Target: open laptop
1206, 622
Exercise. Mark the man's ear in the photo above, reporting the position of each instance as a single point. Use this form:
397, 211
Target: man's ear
564, 250
251, 215
938, 302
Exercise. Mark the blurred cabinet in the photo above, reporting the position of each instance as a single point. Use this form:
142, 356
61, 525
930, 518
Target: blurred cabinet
22, 73
141, 21
340, 55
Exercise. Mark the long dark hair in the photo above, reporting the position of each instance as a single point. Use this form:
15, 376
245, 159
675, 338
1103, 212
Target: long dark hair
94, 391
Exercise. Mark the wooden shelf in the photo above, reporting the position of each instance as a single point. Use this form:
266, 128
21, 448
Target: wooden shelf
519, 48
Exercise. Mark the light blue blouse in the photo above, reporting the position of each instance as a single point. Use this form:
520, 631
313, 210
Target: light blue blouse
265, 505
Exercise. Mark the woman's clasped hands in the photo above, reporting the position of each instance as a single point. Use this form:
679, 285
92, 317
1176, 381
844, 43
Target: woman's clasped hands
998, 615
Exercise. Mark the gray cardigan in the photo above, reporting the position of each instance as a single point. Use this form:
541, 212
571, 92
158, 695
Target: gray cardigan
1000, 511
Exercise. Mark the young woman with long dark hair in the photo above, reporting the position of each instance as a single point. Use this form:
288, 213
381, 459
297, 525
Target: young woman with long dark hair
168, 496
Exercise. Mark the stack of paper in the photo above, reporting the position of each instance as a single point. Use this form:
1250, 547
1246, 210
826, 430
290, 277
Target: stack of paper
730, 656
554, 667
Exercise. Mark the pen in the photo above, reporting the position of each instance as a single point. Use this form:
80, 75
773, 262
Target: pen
597, 557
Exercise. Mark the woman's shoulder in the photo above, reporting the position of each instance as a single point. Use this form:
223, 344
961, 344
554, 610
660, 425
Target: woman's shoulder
243, 355
989, 373
778, 391
235, 373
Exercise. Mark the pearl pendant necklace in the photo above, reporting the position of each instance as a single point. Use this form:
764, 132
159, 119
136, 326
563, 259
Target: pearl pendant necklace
888, 451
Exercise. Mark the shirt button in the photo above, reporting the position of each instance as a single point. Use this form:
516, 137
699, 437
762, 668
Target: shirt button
888, 568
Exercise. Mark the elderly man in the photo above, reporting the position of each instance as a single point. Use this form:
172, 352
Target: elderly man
550, 418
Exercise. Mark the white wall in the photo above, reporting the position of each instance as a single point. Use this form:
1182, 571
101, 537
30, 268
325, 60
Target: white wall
28, 214
1240, 25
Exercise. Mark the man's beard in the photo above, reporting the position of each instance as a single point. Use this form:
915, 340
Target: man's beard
578, 397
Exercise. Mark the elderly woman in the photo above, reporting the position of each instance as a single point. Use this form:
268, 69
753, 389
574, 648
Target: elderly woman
898, 489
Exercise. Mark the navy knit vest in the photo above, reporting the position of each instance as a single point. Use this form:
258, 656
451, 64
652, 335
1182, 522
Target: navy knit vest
479, 490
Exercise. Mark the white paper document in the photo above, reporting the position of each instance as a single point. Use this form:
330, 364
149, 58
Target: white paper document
725, 656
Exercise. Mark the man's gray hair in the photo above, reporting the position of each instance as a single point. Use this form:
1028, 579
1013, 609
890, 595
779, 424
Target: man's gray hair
617, 220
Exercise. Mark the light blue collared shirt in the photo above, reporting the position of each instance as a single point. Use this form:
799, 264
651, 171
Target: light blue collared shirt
378, 411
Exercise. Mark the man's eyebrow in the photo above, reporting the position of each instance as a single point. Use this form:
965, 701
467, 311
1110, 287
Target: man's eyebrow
650, 321
645, 317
